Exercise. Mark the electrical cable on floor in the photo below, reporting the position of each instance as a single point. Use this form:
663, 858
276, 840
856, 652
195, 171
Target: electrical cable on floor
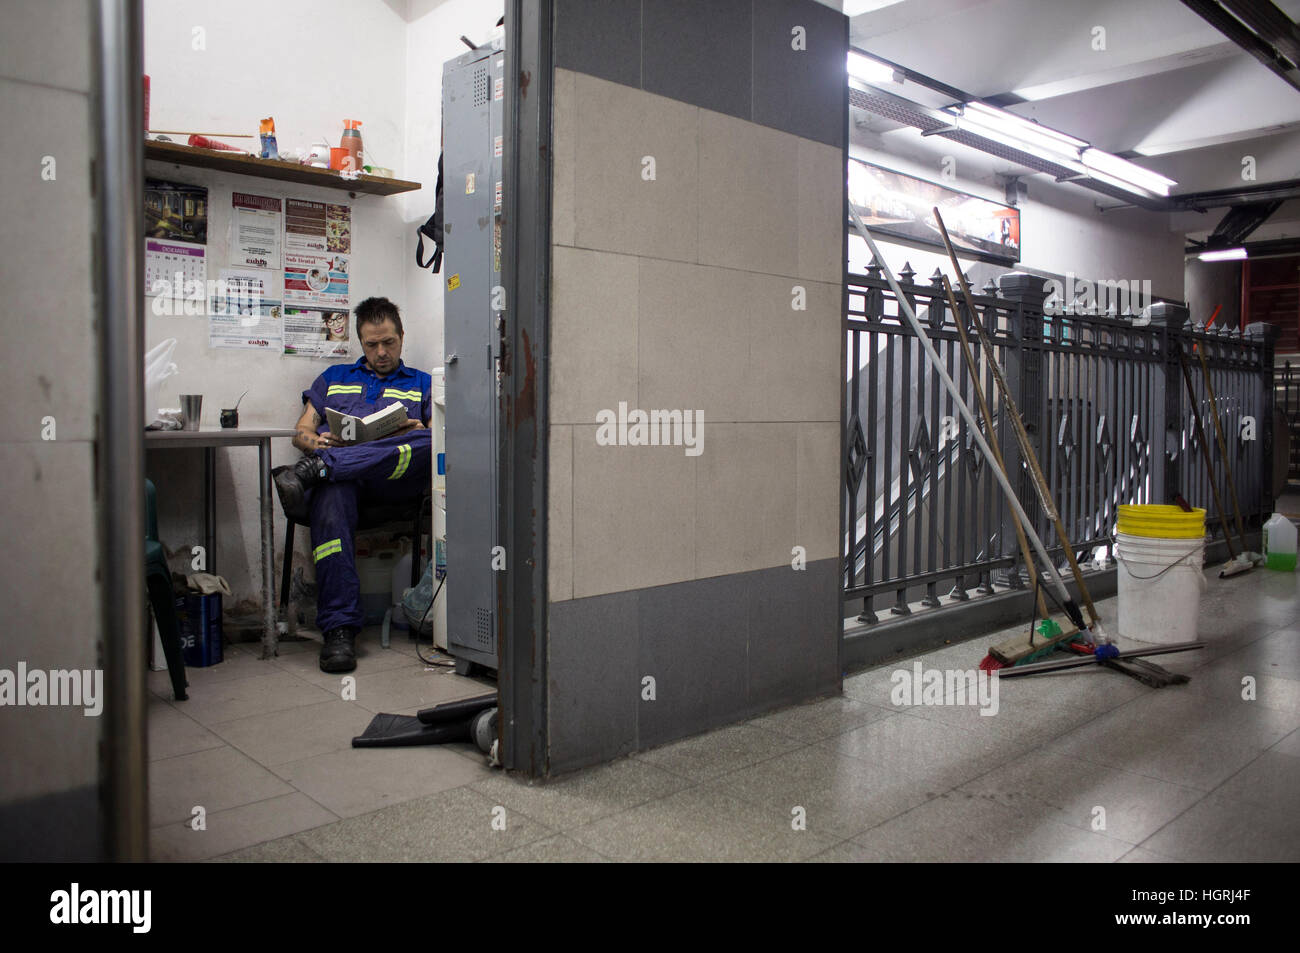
419, 628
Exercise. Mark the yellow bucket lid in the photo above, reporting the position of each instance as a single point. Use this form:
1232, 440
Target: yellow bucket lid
1158, 521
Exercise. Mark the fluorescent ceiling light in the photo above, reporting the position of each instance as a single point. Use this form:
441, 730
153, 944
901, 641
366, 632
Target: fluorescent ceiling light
1223, 254
1127, 171
1011, 130
992, 115
853, 8
869, 70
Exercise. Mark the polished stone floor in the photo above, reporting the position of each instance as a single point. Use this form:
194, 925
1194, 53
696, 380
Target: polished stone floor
1083, 765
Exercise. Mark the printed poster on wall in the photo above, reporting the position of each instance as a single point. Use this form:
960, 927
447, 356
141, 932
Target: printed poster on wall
317, 254
243, 314
312, 332
255, 220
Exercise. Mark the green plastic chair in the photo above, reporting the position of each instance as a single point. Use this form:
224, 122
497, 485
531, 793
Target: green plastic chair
158, 579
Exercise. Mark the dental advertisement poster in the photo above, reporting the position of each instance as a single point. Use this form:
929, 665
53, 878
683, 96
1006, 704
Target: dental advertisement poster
312, 332
243, 315
317, 254
256, 223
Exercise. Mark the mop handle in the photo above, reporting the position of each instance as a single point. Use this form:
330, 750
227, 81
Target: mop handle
905, 307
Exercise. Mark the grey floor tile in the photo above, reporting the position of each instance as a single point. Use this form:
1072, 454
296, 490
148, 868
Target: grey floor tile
256, 695
412, 687
700, 824
237, 828
1219, 830
1225, 678
580, 798
370, 659
962, 827
452, 826
718, 752
557, 849
285, 850
1270, 780
839, 796
296, 733
843, 853
215, 779
171, 732
819, 719
1289, 745
360, 780
935, 756
1189, 738
1134, 806
1276, 654
239, 661
1015, 724
1140, 855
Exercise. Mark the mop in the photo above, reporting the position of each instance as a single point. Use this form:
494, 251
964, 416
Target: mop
1020, 649
1245, 561
1062, 594
1026, 445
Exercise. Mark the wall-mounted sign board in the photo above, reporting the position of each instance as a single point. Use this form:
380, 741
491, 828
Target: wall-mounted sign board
901, 206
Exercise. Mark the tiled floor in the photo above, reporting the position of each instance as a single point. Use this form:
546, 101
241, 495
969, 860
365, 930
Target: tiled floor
1083, 765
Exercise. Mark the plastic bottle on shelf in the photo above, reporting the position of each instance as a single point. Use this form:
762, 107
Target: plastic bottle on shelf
351, 143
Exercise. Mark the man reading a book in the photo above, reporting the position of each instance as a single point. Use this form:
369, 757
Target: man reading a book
342, 470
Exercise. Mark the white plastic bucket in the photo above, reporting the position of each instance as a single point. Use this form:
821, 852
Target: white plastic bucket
1160, 586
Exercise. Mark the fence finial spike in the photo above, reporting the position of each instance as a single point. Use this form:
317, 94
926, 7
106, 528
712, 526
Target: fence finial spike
907, 273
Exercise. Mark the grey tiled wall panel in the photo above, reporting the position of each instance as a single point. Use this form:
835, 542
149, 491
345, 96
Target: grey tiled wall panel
720, 649
730, 56
601, 38
800, 92
699, 53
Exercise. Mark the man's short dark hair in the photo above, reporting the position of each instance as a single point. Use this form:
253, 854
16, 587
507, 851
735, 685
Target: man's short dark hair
375, 311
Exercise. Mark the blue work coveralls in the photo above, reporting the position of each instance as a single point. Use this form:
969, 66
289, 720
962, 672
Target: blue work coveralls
394, 469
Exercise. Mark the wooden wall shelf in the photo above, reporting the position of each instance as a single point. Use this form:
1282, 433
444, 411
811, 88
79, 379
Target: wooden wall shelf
244, 164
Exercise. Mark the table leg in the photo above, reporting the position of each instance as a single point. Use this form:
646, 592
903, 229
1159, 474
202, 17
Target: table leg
270, 635
210, 509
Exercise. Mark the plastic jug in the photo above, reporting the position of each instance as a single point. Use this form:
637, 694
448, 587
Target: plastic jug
1279, 543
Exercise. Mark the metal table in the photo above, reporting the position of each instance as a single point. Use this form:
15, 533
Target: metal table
209, 441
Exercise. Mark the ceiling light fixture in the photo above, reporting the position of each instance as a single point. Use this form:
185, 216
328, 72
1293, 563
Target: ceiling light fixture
1052, 145
868, 70
1223, 254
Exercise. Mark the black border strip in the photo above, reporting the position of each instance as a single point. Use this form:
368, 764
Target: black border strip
524, 431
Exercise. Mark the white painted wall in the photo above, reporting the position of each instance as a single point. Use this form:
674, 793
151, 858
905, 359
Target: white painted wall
433, 37
310, 64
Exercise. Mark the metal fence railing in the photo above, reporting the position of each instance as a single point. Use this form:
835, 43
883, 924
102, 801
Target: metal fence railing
1287, 389
1102, 397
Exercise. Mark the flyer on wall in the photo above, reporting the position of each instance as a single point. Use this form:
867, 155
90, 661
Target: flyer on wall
317, 254
256, 225
245, 314
316, 333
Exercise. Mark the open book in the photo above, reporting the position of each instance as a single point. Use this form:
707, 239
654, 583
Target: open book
350, 429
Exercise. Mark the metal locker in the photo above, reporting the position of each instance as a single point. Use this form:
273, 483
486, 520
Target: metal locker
472, 97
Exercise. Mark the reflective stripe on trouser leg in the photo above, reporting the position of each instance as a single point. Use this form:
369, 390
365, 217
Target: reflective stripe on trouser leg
373, 463
403, 461
333, 527
327, 549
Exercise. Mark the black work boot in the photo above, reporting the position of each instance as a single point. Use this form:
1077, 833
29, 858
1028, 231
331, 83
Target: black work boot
292, 484
338, 653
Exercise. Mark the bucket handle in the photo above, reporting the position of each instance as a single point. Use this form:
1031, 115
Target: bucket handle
1114, 548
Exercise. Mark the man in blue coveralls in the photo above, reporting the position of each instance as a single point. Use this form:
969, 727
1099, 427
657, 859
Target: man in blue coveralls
331, 480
